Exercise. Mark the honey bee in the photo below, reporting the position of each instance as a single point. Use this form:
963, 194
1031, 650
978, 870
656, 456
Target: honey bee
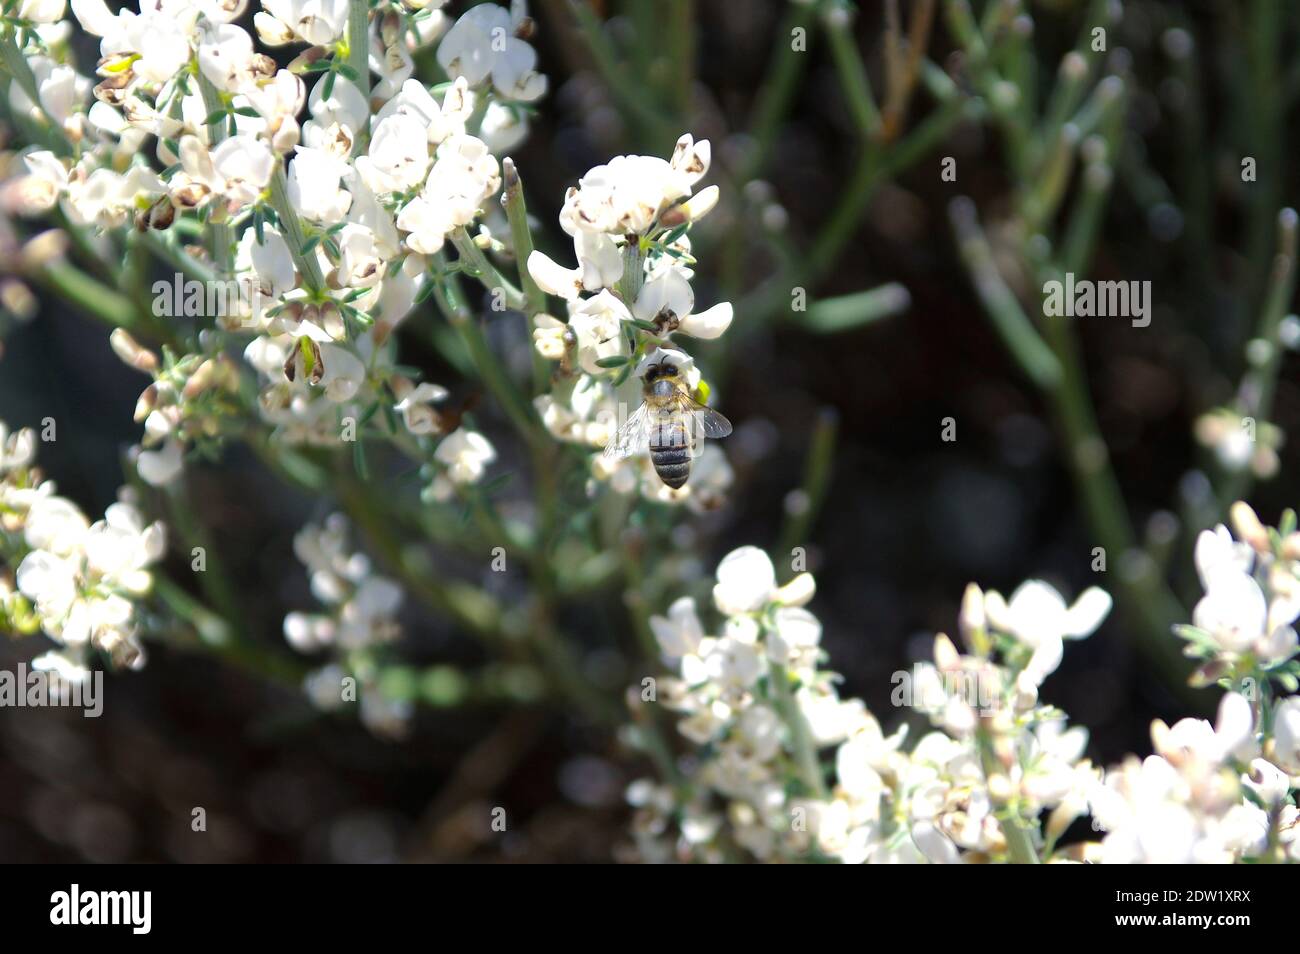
667, 422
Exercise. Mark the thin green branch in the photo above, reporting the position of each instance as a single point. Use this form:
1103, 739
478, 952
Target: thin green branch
475, 262
837, 22
359, 60
294, 235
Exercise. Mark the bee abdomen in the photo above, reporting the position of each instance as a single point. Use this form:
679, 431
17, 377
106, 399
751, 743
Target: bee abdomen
670, 452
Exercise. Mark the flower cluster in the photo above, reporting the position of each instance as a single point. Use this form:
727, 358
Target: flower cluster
327, 189
1002, 776
361, 616
76, 581
1243, 627
630, 292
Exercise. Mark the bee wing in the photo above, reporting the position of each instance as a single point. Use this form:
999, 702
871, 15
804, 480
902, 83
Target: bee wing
632, 436
707, 421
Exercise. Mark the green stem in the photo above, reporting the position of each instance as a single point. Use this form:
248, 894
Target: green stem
681, 44
213, 581
451, 301
1000, 304
1259, 383
625, 86
359, 60
629, 286
476, 263
294, 235
220, 240
217, 636
818, 469
852, 72
781, 79
801, 740
1020, 846
512, 200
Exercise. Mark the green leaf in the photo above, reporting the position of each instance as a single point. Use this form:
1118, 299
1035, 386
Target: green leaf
359, 459
347, 71
613, 361
216, 116
670, 237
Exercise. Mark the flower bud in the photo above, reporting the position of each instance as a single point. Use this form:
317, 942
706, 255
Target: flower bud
131, 352
1247, 526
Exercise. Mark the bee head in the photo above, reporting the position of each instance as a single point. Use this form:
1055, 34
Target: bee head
660, 371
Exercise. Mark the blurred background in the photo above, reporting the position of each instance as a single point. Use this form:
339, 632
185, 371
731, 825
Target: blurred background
904, 519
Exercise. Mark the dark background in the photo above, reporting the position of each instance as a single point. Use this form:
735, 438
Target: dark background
908, 520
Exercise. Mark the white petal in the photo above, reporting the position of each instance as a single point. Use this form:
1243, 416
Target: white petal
1088, 611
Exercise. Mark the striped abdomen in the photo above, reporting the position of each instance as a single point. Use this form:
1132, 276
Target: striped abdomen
670, 452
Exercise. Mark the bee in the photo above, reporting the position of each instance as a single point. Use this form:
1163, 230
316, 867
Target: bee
667, 422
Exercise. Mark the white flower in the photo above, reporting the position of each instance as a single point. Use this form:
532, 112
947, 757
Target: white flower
344, 373
278, 101
1286, 735
335, 119
627, 195
464, 176
734, 663
17, 450
398, 157
600, 265
680, 633
1231, 736
270, 261
62, 92
159, 36
318, 22
439, 123
120, 547
668, 295
597, 323
45, 182
461, 180
162, 466
417, 415
107, 198
56, 525
482, 44
225, 53
465, 455
794, 637
41, 11
1217, 552
314, 186
746, 581
237, 170
1038, 617
361, 262
49, 581
1233, 610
